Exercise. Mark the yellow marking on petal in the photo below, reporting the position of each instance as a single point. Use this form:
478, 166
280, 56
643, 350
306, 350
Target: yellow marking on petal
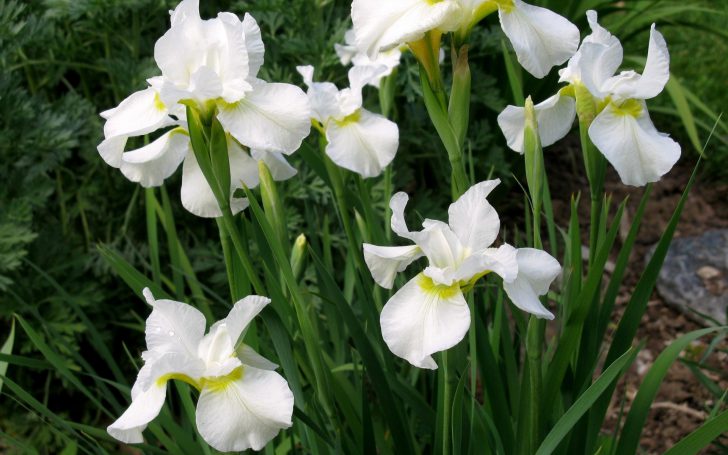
485, 9
506, 6
162, 380
466, 286
349, 119
441, 291
568, 91
158, 103
630, 107
222, 383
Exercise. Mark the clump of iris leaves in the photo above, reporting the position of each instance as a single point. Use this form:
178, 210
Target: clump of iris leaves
62, 208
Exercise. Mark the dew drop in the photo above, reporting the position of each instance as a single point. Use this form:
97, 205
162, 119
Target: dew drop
171, 333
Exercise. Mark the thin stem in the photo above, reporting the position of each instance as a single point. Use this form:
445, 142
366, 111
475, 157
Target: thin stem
446, 408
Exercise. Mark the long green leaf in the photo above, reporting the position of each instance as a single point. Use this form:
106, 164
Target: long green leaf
637, 415
7, 349
585, 401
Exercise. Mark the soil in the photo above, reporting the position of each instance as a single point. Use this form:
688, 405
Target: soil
683, 402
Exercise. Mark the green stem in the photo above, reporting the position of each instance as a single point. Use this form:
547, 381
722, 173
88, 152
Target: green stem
534, 345
446, 407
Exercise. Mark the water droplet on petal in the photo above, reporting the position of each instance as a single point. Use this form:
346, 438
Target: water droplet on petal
171, 333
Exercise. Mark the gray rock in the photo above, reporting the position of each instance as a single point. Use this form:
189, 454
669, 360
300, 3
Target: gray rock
694, 277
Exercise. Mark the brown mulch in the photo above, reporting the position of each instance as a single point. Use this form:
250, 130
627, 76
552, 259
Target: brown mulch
682, 403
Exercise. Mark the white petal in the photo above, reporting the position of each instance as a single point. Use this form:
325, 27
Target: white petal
217, 351
277, 164
197, 196
273, 117
246, 413
128, 428
652, 81
187, 9
385, 262
422, 318
148, 394
380, 25
540, 37
348, 50
182, 48
473, 219
254, 44
153, 163
365, 145
398, 223
112, 149
242, 313
141, 113
502, 261
554, 116
249, 357
536, 270
441, 246
173, 327
323, 97
638, 152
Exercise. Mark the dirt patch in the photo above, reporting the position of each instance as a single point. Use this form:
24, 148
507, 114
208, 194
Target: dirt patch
683, 402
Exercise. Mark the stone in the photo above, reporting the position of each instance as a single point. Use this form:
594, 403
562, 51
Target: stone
694, 277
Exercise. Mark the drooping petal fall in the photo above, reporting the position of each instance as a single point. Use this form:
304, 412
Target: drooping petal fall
380, 25
244, 411
365, 143
630, 142
555, 116
423, 318
385, 262
541, 38
274, 117
536, 270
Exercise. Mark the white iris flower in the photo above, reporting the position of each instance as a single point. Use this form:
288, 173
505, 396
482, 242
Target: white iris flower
349, 53
243, 403
622, 129
214, 64
540, 37
358, 140
429, 313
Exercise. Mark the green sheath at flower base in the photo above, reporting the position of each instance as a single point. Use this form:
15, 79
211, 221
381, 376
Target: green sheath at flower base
535, 177
272, 204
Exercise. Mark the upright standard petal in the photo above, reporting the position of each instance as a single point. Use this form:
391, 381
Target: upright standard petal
245, 412
541, 38
473, 219
380, 25
364, 144
630, 142
254, 45
423, 318
536, 270
554, 116
385, 262
173, 327
398, 223
652, 81
274, 117
242, 313
153, 163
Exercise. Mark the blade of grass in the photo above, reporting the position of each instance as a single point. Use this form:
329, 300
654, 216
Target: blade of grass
701, 437
637, 416
585, 401
7, 349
